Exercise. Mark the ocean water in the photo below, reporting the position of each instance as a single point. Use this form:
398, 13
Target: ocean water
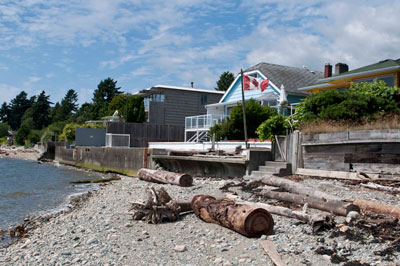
30, 188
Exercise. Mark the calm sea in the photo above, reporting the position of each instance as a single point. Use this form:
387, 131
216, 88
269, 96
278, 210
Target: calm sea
30, 188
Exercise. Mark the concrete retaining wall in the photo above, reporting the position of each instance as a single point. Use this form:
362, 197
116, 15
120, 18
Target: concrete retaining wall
370, 151
119, 160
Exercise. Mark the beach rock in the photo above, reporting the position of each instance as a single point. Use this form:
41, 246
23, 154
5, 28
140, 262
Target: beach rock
180, 248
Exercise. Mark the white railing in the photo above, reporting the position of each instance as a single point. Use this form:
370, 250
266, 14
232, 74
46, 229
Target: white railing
203, 121
118, 140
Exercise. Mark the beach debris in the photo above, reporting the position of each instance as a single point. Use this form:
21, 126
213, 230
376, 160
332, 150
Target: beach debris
318, 221
357, 176
294, 187
158, 207
165, 177
337, 207
374, 207
18, 231
270, 248
245, 219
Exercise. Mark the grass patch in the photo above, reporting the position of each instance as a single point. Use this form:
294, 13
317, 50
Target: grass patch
381, 122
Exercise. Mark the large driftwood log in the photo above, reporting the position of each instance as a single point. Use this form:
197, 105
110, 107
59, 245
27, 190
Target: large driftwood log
370, 206
245, 219
315, 220
333, 206
165, 177
297, 188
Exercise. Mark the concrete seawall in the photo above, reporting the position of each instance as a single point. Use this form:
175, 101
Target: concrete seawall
125, 161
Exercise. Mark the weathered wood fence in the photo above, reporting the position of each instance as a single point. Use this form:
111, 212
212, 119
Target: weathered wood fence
143, 133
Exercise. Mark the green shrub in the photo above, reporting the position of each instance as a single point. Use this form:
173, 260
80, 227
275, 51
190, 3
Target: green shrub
363, 101
274, 126
33, 137
22, 134
4, 127
232, 128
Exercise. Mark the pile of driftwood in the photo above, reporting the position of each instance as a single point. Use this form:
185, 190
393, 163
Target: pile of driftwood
159, 206
246, 219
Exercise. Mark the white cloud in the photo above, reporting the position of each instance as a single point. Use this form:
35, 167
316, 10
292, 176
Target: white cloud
31, 81
8, 92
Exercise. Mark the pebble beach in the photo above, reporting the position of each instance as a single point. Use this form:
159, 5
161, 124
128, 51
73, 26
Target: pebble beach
96, 230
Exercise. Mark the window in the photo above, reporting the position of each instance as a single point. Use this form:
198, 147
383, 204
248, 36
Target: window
388, 79
203, 99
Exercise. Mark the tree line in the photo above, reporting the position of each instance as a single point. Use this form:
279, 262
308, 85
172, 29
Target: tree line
35, 117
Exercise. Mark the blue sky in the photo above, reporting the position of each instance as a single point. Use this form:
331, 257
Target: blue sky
60, 45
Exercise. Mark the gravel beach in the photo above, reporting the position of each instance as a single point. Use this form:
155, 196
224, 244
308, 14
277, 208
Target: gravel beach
99, 232
19, 153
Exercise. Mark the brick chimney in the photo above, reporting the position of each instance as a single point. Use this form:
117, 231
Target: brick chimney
327, 70
341, 68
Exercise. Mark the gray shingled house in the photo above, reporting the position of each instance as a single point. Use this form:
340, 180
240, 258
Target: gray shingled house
169, 105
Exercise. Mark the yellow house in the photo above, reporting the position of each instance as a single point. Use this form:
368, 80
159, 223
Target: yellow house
387, 70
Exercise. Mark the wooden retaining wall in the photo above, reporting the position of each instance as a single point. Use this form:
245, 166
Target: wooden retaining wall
370, 151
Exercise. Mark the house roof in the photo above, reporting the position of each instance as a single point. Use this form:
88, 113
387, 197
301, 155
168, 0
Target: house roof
292, 78
154, 88
380, 65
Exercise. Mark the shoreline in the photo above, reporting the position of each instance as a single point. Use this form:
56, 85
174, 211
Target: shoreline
72, 201
15, 152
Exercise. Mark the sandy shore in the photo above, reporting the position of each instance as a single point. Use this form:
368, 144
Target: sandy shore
19, 153
98, 232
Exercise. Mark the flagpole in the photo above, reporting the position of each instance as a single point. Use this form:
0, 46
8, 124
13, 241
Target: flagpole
244, 110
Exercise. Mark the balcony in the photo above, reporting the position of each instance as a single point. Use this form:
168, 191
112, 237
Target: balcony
202, 122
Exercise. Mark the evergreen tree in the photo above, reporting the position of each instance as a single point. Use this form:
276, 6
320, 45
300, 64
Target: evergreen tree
68, 106
225, 80
41, 111
17, 109
69, 103
5, 113
103, 95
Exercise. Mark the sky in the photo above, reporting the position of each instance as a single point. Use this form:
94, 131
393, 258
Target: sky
60, 45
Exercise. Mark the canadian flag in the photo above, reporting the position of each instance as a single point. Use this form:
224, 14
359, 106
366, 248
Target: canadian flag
252, 83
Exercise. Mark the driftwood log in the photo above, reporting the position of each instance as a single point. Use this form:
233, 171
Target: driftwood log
315, 220
381, 188
297, 188
165, 177
158, 207
242, 218
337, 207
370, 206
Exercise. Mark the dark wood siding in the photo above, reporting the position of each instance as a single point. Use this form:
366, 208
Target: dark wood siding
179, 104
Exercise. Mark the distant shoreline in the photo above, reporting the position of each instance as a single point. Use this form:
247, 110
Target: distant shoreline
19, 153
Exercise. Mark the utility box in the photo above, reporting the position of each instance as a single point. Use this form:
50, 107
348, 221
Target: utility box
95, 137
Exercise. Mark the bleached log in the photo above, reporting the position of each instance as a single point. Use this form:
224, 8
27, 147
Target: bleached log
165, 177
337, 207
297, 188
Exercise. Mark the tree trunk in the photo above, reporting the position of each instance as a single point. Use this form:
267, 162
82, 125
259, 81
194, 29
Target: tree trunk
245, 219
315, 220
370, 206
297, 188
165, 177
333, 206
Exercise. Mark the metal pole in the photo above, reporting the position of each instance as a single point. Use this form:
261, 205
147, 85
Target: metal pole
244, 110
